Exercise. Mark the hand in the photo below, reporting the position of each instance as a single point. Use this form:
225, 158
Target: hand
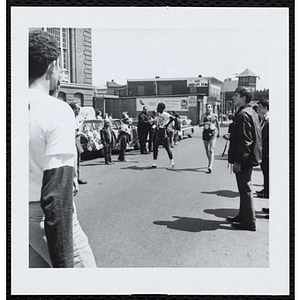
236, 168
75, 186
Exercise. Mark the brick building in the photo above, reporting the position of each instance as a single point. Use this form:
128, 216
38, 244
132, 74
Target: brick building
75, 45
187, 96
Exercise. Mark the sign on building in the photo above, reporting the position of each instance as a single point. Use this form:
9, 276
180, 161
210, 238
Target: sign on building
197, 82
192, 101
177, 104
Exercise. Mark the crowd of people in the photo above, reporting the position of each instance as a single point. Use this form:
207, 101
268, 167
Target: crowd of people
55, 236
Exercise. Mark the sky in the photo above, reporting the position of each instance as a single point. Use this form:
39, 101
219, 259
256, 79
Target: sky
214, 43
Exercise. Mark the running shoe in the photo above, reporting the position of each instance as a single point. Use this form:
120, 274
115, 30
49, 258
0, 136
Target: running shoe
170, 166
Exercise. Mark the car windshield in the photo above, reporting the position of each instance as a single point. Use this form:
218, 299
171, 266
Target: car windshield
92, 125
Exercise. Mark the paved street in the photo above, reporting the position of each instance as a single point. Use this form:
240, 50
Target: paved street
140, 217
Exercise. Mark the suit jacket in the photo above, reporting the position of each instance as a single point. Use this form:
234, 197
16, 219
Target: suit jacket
106, 138
245, 138
265, 136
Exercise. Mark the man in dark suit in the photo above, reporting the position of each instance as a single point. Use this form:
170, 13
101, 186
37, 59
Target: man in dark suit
144, 124
263, 106
244, 153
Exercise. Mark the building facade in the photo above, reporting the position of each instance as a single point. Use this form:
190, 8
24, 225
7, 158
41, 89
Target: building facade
187, 96
75, 46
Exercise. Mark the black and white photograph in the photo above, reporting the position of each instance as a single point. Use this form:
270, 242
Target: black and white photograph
150, 151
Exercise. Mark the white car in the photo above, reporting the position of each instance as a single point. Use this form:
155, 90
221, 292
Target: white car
185, 120
187, 129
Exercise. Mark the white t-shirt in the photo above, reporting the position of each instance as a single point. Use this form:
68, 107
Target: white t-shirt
163, 119
51, 137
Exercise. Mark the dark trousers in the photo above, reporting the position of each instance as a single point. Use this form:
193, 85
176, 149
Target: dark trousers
166, 145
107, 149
150, 143
123, 139
247, 211
143, 134
265, 169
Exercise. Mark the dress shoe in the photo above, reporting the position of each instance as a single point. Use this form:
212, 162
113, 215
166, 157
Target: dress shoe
262, 196
244, 226
265, 210
267, 217
81, 181
234, 219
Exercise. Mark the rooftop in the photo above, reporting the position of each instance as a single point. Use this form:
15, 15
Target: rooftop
247, 72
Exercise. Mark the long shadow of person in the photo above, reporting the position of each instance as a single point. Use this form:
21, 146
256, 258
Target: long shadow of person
194, 224
203, 169
230, 212
223, 193
222, 212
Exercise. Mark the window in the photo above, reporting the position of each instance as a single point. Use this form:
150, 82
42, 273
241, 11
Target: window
61, 35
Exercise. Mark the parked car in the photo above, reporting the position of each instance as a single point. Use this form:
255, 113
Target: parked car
185, 120
93, 144
187, 129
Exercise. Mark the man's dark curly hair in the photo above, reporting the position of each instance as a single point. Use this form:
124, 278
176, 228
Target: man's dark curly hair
43, 50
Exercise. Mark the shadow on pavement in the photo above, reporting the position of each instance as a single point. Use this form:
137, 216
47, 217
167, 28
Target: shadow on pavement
223, 193
230, 212
203, 169
94, 164
222, 212
220, 157
194, 224
139, 168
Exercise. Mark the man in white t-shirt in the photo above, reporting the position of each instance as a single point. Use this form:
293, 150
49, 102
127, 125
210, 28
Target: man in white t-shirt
55, 236
162, 122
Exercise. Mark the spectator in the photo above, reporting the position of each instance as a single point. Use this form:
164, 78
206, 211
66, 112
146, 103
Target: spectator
107, 141
210, 123
177, 127
124, 137
244, 153
151, 132
144, 124
162, 121
78, 135
263, 107
55, 236
98, 115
